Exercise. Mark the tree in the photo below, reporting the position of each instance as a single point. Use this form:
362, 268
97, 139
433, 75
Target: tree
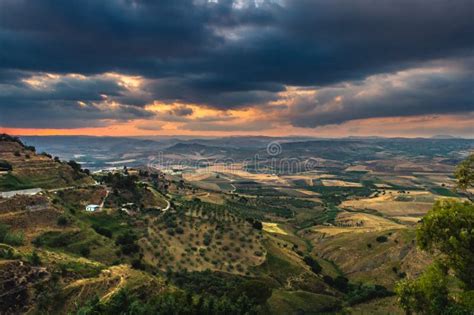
62, 220
448, 230
313, 264
465, 173
465, 176
256, 290
426, 295
75, 166
85, 251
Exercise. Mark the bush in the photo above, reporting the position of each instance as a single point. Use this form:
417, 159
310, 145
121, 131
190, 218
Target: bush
341, 283
137, 264
10, 238
5, 165
8, 253
102, 230
313, 264
363, 293
129, 249
14, 239
381, 239
34, 259
63, 221
74, 165
127, 242
207, 239
85, 251
255, 223
256, 290
3, 231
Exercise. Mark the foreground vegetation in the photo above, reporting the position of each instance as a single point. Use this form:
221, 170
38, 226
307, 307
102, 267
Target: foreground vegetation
447, 232
158, 244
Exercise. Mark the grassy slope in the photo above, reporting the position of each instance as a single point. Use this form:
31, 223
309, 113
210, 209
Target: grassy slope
373, 263
31, 170
301, 302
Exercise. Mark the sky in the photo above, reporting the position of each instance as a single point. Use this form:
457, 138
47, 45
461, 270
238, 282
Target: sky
237, 67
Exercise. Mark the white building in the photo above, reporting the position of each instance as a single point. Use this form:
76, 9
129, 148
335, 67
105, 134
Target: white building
92, 208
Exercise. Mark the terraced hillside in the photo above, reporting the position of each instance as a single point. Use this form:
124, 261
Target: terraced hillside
21, 168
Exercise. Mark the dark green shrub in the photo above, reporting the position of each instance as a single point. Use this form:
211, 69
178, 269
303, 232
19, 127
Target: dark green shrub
313, 264
62, 221
34, 259
102, 230
85, 251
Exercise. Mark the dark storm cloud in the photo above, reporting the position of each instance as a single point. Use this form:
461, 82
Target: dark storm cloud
64, 114
90, 36
182, 111
226, 56
64, 102
190, 90
423, 91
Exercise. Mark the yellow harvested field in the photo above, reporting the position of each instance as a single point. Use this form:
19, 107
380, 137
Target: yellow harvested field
350, 222
308, 192
357, 168
235, 171
209, 197
273, 228
206, 185
339, 183
400, 181
325, 176
261, 178
382, 186
197, 176
389, 205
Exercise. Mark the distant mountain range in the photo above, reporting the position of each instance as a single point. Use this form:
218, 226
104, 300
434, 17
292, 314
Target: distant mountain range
104, 152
